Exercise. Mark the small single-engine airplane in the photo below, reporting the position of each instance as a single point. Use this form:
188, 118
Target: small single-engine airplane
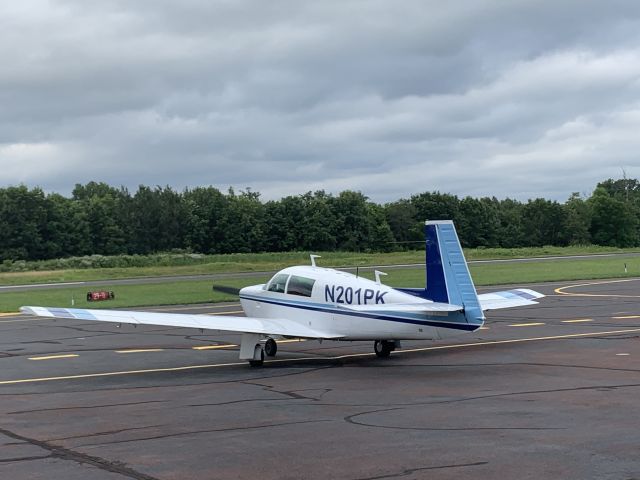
325, 304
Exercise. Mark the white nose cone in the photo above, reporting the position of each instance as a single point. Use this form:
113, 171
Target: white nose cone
251, 290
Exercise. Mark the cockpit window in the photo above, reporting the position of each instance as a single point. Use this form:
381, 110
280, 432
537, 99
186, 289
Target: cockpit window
278, 282
300, 286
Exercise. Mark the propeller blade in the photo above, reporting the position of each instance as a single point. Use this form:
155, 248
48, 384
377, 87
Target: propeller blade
226, 289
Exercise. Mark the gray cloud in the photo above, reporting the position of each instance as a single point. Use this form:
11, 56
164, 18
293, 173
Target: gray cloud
522, 99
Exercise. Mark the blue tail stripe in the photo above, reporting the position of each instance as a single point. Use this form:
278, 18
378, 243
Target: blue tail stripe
448, 277
436, 284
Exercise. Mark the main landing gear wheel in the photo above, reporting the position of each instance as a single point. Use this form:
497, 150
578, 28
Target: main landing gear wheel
257, 363
270, 347
383, 348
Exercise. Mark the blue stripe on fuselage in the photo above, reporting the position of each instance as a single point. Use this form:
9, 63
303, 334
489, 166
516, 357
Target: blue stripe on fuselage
401, 318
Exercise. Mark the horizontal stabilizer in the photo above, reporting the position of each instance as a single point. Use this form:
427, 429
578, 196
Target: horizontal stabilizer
405, 307
518, 297
265, 326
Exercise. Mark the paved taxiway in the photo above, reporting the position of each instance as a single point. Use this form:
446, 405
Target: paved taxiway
544, 392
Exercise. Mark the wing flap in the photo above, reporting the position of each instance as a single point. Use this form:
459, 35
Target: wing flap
518, 297
266, 326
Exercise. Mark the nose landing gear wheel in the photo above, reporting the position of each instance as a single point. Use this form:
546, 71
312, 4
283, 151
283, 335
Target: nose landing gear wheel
270, 347
383, 348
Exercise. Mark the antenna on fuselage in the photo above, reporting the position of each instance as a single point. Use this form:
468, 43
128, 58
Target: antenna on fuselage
313, 259
378, 274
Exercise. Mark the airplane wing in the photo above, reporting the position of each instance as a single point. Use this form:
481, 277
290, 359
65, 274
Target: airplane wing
270, 326
425, 307
518, 297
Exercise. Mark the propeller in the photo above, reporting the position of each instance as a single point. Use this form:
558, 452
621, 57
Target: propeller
226, 289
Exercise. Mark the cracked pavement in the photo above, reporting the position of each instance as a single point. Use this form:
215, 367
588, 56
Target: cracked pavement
561, 406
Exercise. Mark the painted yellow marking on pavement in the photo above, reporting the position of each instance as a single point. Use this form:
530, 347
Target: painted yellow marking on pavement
113, 374
28, 320
622, 354
195, 307
561, 290
579, 320
50, 318
54, 357
626, 317
141, 350
484, 328
315, 359
532, 324
292, 340
522, 340
9, 314
213, 347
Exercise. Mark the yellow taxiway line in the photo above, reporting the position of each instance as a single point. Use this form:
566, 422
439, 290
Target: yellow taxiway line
54, 357
532, 324
141, 350
195, 307
302, 359
579, 320
561, 290
29, 319
9, 314
213, 347
521, 340
216, 347
37, 319
627, 317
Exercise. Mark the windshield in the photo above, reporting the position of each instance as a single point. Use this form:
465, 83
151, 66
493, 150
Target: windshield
278, 282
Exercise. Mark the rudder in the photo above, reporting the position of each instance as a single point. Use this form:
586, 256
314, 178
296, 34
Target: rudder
448, 277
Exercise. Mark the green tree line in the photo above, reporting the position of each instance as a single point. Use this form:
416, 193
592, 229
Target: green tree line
101, 219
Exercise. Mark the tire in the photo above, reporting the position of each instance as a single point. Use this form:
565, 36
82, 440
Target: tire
382, 348
270, 347
258, 363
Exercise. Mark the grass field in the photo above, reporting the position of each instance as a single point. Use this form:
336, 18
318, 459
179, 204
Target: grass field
269, 262
529, 272
170, 293
173, 292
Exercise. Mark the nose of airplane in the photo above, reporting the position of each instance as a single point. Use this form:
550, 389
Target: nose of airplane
253, 289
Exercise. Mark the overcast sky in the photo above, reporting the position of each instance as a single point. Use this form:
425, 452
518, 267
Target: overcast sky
520, 98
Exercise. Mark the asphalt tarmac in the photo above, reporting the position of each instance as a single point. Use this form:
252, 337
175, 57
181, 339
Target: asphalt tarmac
550, 391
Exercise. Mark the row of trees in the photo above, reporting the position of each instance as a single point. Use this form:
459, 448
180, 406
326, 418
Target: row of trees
101, 219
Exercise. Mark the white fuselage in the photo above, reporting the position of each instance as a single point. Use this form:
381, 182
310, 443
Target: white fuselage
318, 298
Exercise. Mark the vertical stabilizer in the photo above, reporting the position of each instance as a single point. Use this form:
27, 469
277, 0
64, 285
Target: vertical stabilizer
448, 277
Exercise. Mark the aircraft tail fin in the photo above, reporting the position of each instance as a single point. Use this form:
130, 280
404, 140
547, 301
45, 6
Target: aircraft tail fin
448, 277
